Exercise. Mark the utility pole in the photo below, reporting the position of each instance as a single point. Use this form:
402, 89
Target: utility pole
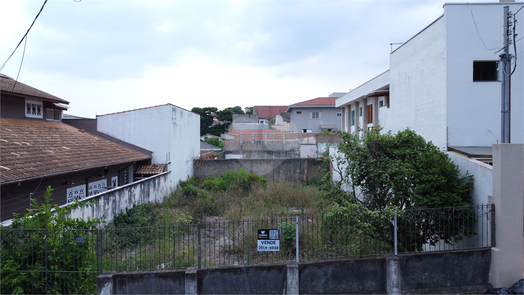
505, 58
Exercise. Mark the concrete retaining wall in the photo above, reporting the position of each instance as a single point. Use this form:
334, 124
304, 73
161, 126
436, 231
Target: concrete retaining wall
110, 203
356, 276
434, 272
274, 170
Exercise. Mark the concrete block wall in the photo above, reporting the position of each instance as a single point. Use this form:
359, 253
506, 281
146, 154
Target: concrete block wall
435, 272
274, 170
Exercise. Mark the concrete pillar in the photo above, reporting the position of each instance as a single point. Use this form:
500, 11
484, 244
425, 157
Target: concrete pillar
344, 125
104, 284
393, 277
191, 281
292, 279
357, 118
508, 194
375, 111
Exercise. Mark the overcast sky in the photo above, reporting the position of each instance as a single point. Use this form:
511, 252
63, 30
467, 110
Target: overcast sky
107, 56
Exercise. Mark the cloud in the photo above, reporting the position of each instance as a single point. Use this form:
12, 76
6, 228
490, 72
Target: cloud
109, 56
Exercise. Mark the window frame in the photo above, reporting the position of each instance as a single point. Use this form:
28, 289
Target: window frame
482, 71
36, 109
315, 115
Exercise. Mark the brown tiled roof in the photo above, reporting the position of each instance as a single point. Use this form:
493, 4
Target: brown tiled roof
151, 169
267, 112
254, 131
318, 101
35, 148
7, 84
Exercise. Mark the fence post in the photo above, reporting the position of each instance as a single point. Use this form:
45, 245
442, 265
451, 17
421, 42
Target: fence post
296, 238
99, 252
395, 233
199, 248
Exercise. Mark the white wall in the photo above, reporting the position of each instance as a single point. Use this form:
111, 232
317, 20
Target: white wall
482, 176
418, 86
171, 133
475, 33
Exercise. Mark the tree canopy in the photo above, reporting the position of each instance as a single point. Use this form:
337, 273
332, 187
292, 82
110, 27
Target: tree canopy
381, 174
225, 116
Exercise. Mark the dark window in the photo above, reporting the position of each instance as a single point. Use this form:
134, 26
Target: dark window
360, 112
352, 117
485, 71
299, 112
370, 113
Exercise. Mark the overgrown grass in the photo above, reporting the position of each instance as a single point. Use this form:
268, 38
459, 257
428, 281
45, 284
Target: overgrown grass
234, 195
245, 200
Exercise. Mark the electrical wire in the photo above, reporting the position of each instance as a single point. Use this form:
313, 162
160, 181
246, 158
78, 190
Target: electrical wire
25, 35
21, 63
478, 33
519, 10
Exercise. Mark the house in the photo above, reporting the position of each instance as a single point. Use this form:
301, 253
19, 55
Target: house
267, 112
248, 122
208, 151
314, 115
445, 83
170, 132
38, 150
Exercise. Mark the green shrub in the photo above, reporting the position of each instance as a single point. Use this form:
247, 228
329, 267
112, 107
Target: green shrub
204, 205
240, 179
41, 249
210, 183
130, 228
190, 190
288, 235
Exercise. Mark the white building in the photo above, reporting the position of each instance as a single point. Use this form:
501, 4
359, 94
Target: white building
170, 132
444, 83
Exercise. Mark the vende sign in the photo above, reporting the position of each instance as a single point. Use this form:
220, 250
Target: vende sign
268, 240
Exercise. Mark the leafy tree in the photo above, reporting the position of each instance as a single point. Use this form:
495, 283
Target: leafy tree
40, 250
384, 173
214, 141
248, 110
206, 118
208, 113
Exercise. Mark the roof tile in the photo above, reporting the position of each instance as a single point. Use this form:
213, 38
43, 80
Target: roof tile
35, 148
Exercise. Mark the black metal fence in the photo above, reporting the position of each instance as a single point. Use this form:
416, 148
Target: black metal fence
218, 242
67, 261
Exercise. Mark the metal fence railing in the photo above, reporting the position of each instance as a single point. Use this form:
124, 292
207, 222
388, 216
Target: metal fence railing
68, 261
42, 261
220, 242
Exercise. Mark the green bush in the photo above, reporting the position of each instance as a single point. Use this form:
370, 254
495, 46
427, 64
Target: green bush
40, 250
210, 183
204, 205
240, 180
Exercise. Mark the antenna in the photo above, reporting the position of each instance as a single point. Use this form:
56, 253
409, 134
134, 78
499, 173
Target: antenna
397, 43
493, 136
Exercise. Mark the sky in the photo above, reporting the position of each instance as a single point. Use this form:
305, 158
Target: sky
106, 56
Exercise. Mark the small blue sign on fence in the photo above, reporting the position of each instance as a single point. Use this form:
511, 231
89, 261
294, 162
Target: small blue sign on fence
79, 240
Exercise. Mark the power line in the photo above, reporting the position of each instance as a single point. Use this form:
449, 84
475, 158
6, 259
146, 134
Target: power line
21, 63
25, 35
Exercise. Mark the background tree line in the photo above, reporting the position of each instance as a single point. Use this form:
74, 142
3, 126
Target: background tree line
207, 114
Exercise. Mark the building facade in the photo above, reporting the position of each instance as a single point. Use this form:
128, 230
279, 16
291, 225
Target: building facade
445, 82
